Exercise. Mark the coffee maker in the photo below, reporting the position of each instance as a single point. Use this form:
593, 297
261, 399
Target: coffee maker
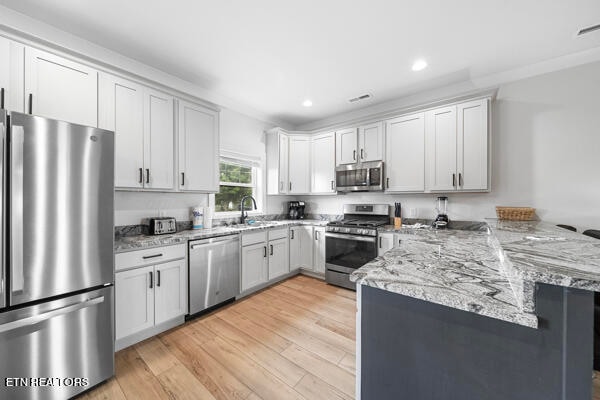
296, 210
442, 220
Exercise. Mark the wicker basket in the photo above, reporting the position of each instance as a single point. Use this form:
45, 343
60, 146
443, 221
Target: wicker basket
515, 213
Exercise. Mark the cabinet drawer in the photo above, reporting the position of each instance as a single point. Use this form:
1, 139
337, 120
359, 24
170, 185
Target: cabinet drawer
149, 256
253, 237
278, 233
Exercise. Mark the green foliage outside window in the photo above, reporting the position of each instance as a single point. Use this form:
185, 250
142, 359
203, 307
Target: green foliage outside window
236, 182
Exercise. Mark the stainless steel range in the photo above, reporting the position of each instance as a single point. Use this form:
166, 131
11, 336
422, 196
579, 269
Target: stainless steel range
352, 242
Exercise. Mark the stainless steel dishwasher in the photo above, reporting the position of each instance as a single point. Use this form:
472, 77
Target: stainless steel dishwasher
214, 271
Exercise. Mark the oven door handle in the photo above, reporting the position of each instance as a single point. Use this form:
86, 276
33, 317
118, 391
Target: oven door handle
370, 239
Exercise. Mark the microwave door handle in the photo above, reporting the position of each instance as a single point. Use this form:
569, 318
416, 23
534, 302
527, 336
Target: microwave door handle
17, 140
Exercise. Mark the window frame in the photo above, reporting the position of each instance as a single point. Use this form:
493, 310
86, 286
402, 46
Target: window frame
257, 186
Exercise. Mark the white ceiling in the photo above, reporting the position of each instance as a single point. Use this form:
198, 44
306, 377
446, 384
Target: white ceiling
271, 54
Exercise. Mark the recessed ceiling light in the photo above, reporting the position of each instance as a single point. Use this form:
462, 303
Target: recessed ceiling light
419, 65
307, 103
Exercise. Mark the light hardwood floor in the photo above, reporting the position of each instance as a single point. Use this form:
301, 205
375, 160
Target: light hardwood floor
294, 340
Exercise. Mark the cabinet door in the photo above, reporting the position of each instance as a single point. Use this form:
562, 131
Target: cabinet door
121, 109
370, 142
12, 75
170, 292
345, 146
299, 165
198, 148
323, 163
60, 89
319, 249
295, 247
279, 258
385, 242
440, 149
472, 154
159, 155
134, 301
305, 236
284, 153
405, 154
254, 265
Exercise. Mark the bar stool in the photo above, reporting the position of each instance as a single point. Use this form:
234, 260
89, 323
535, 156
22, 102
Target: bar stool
567, 227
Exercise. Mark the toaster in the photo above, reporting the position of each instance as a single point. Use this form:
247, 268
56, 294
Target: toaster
162, 225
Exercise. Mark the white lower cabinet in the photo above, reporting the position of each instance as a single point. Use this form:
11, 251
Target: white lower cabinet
265, 256
149, 298
301, 248
319, 249
385, 242
254, 265
278, 258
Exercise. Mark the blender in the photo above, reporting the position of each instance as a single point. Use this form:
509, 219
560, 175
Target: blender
442, 220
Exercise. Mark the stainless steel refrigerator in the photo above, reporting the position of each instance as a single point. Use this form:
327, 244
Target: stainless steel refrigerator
57, 270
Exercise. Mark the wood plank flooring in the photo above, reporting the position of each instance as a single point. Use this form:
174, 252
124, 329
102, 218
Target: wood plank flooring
294, 340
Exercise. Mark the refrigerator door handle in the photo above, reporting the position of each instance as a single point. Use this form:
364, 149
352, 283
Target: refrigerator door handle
36, 319
16, 212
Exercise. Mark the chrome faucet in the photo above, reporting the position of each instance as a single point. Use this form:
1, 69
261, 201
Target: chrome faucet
245, 215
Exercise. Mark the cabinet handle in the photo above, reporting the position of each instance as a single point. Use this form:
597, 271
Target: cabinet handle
354, 155
151, 280
453, 180
387, 182
292, 232
147, 175
460, 179
30, 103
332, 188
158, 278
379, 241
316, 235
264, 251
2, 98
183, 179
362, 154
271, 249
141, 175
290, 186
152, 256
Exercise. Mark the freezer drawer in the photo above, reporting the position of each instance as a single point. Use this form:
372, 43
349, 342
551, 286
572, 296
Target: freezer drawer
57, 349
214, 271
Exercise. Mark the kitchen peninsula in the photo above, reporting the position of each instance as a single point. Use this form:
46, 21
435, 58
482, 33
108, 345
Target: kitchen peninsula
503, 310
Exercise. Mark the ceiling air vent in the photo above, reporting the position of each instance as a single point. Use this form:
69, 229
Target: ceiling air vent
360, 98
588, 30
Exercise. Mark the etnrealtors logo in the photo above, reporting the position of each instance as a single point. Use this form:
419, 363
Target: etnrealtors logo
45, 382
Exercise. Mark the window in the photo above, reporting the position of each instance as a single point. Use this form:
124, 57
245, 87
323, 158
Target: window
238, 178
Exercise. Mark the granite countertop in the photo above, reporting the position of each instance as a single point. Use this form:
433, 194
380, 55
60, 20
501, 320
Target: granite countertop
139, 242
490, 271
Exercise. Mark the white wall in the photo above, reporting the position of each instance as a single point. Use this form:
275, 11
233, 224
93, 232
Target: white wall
545, 154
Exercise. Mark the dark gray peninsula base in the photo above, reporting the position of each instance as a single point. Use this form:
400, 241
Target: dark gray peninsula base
414, 349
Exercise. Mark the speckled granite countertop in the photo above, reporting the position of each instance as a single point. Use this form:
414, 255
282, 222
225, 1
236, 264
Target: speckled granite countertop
138, 242
491, 272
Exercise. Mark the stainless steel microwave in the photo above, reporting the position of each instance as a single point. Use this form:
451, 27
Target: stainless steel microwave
362, 177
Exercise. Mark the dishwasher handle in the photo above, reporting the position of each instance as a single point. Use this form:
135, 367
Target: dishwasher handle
212, 241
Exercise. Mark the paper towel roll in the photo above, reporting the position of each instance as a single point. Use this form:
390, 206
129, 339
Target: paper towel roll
197, 217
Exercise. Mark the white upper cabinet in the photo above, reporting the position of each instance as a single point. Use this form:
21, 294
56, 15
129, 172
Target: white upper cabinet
323, 163
277, 149
440, 145
12, 75
121, 109
299, 165
142, 120
60, 89
405, 153
345, 150
159, 145
456, 147
472, 145
198, 148
370, 142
